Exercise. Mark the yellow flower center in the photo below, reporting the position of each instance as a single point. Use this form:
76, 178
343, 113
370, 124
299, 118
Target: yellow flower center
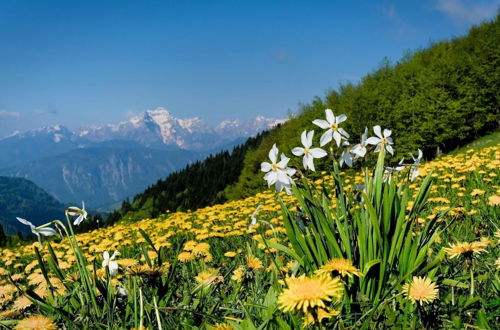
274, 167
334, 126
307, 151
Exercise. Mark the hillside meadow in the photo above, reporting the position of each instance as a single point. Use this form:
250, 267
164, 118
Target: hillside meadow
262, 262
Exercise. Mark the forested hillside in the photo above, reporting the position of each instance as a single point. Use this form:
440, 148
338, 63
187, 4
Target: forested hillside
443, 96
440, 97
199, 184
22, 198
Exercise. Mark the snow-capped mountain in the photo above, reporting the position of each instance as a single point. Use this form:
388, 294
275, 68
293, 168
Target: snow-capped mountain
156, 128
231, 128
104, 164
159, 128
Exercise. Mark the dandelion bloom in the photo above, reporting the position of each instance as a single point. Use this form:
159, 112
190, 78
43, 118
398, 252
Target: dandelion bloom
22, 303
230, 254
9, 313
146, 271
185, 256
494, 200
238, 274
36, 322
477, 192
421, 289
465, 248
254, 262
208, 276
221, 326
343, 266
319, 316
309, 292
189, 245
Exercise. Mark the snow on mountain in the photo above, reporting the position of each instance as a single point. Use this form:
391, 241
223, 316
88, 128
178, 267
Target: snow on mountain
54, 132
250, 127
159, 128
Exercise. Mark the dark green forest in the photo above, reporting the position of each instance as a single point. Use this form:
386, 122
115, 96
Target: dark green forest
442, 97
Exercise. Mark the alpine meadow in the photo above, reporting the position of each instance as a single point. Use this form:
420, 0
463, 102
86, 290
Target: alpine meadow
376, 206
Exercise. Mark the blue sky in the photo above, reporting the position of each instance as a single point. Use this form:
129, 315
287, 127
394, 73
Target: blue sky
95, 62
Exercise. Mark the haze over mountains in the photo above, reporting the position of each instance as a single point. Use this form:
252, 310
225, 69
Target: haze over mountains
104, 164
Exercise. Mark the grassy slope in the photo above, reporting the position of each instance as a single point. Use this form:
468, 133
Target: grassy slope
224, 228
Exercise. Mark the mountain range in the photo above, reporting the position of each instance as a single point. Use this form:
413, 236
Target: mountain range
105, 164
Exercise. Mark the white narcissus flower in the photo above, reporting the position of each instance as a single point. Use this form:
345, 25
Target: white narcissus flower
278, 173
254, 217
75, 211
331, 124
346, 155
308, 153
109, 263
416, 164
381, 139
389, 171
360, 149
43, 231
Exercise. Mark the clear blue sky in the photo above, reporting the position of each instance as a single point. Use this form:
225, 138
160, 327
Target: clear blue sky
94, 62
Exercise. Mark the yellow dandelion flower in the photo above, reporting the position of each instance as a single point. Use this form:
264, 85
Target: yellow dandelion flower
465, 248
7, 290
421, 289
319, 315
309, 292
185, 256
221, 326
343, 266
494, 200
201, 249
127, 262
238, 274
9, 314
254, 262
230, 254
189, 245
146, 271
477, 192
209, 276
36, 322
22, 303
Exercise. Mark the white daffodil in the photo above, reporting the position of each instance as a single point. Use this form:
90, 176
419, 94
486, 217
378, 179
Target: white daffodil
389, 171
43, 231
80, 213
416, 164
109, 263
253, 220
346, 155
278, 173
359, 150
308, 153
380, 139
331, 124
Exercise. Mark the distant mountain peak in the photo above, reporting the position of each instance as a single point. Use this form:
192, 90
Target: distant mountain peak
158, 128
